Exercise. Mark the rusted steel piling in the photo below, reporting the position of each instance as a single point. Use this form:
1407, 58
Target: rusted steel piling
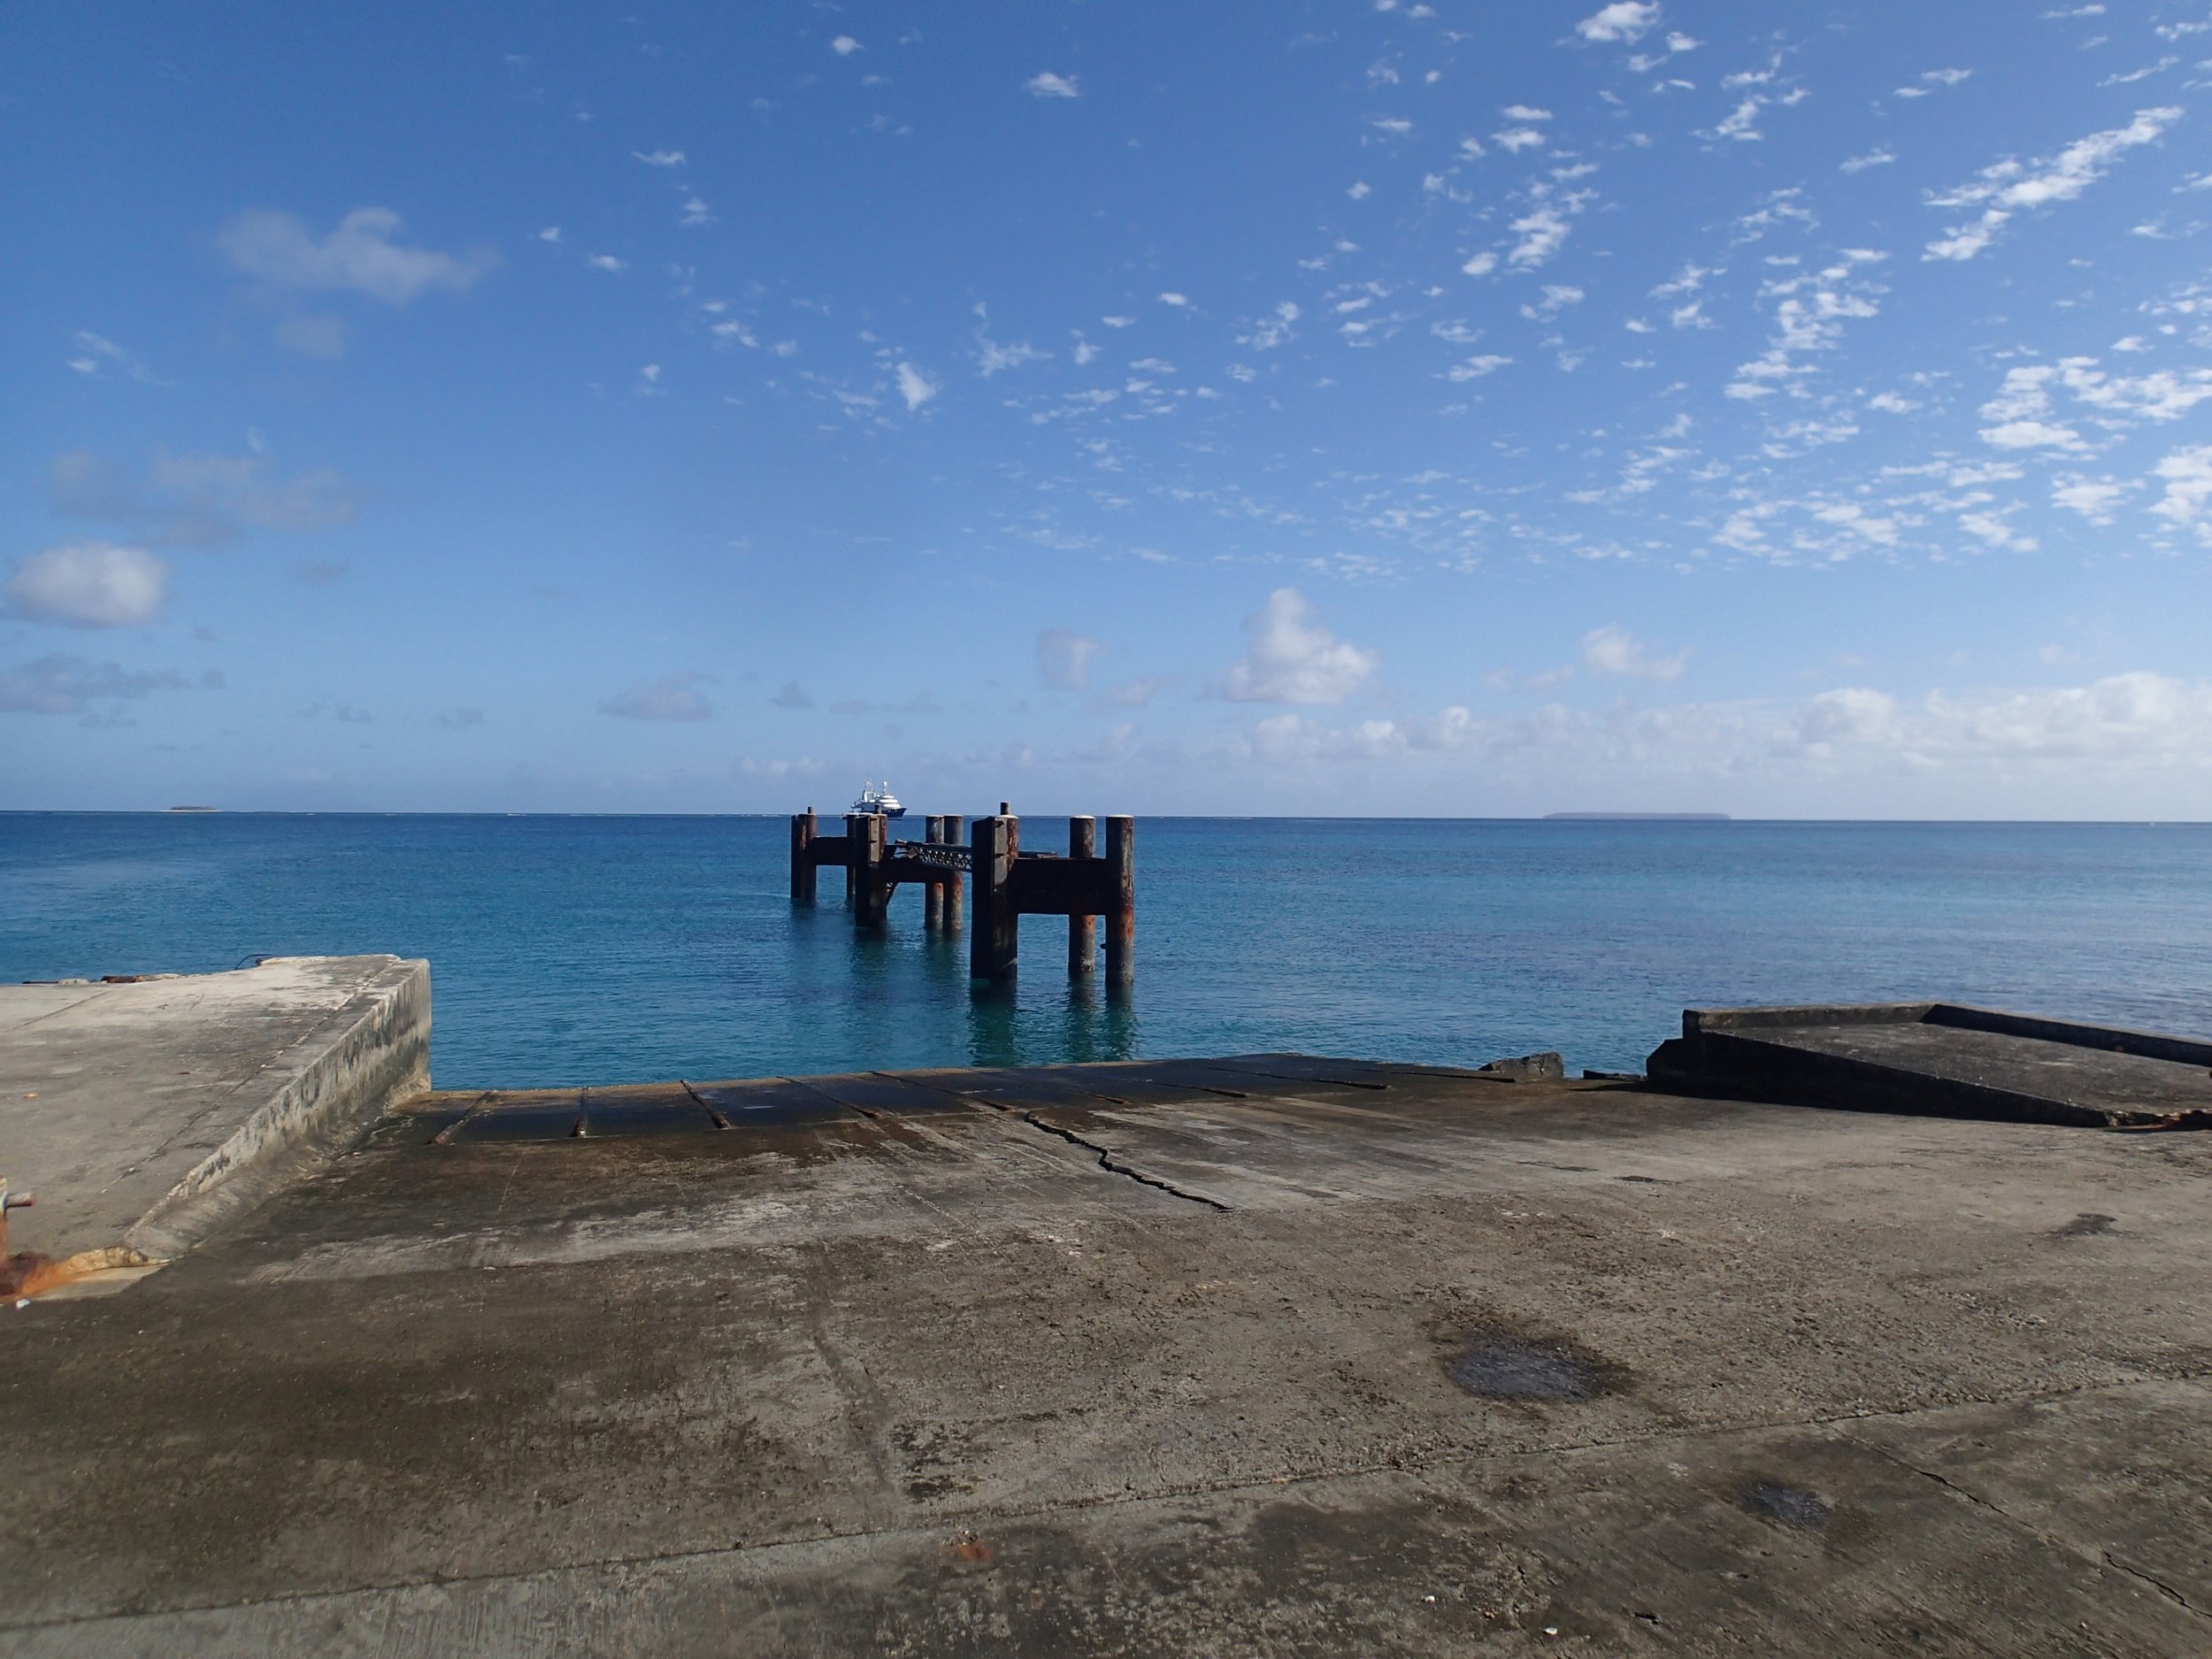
1008, 883
1082, 929
1121, 908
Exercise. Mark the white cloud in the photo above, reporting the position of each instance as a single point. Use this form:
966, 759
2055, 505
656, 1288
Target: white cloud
1614, 651
991, 357
1174, 299
1627, 21
1542, 232
2092, 499
670, 697
1475, 368
916, 387
1740, 122
1064, 658
2031, 435
1881, 158
844, 46
1525, 112
1047, 85
1557, 298
607, 262
1272, 331
1294, 660
359, 255
551, 233
1480, 265
1516, 139
88, 585
661, 158
2188, 474
2005, 188
96, 352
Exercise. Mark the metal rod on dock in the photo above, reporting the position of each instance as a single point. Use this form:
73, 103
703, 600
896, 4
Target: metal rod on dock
1082, 928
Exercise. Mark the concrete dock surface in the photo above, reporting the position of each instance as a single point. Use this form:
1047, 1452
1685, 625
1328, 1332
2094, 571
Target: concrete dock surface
143, 1112
1265, 1355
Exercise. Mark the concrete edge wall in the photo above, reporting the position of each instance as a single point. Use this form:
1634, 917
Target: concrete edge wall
1736, 1065
330, 1086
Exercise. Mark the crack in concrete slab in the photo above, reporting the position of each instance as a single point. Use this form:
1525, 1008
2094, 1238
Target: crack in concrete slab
1106, 1161
2052, 1538
2159, 1585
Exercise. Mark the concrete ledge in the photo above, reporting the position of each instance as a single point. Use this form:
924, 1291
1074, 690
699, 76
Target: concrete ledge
145, 1113
1941, 1059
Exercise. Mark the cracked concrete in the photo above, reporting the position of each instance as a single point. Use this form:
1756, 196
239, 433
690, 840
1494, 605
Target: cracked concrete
906, 1364
1106, 1161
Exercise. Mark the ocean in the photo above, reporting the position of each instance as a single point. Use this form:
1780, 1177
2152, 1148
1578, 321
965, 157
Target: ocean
602, 949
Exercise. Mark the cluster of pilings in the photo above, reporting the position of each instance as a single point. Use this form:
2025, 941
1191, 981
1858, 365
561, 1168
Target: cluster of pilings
1008, 883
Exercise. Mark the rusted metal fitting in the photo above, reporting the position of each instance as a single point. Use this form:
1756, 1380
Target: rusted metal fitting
11, 1201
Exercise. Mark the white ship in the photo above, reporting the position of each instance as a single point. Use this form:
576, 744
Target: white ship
877, 798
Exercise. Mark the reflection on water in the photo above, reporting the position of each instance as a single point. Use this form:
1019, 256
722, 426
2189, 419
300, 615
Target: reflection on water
1087, 1021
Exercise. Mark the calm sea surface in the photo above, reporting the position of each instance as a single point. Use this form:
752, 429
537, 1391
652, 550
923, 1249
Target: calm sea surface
602, 949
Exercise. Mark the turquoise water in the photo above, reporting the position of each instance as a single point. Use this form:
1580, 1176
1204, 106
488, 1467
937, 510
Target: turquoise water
602, 949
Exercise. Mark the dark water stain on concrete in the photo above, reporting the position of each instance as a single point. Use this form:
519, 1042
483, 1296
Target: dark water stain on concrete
2085, 1225
1500, 1363
1793, 1506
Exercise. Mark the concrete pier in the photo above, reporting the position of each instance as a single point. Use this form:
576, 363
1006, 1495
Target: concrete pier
142, 1113
1263, 1353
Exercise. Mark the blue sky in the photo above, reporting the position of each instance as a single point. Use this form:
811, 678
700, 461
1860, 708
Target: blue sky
1361, 407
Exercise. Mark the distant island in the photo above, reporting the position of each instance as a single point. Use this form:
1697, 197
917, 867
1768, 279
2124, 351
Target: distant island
1640, 818
196, 809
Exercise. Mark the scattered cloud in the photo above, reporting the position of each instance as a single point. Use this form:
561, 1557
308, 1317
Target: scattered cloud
2008, 186
1064, 658
1614, 651
88, 585
916, 387
1623, 21
359, 257
845, 46
794, 695
1045, 84
71, 684
1135, 694
2187, 476
992, 357
670, 697
98, 355
660, 157
1292, 658
199, 499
